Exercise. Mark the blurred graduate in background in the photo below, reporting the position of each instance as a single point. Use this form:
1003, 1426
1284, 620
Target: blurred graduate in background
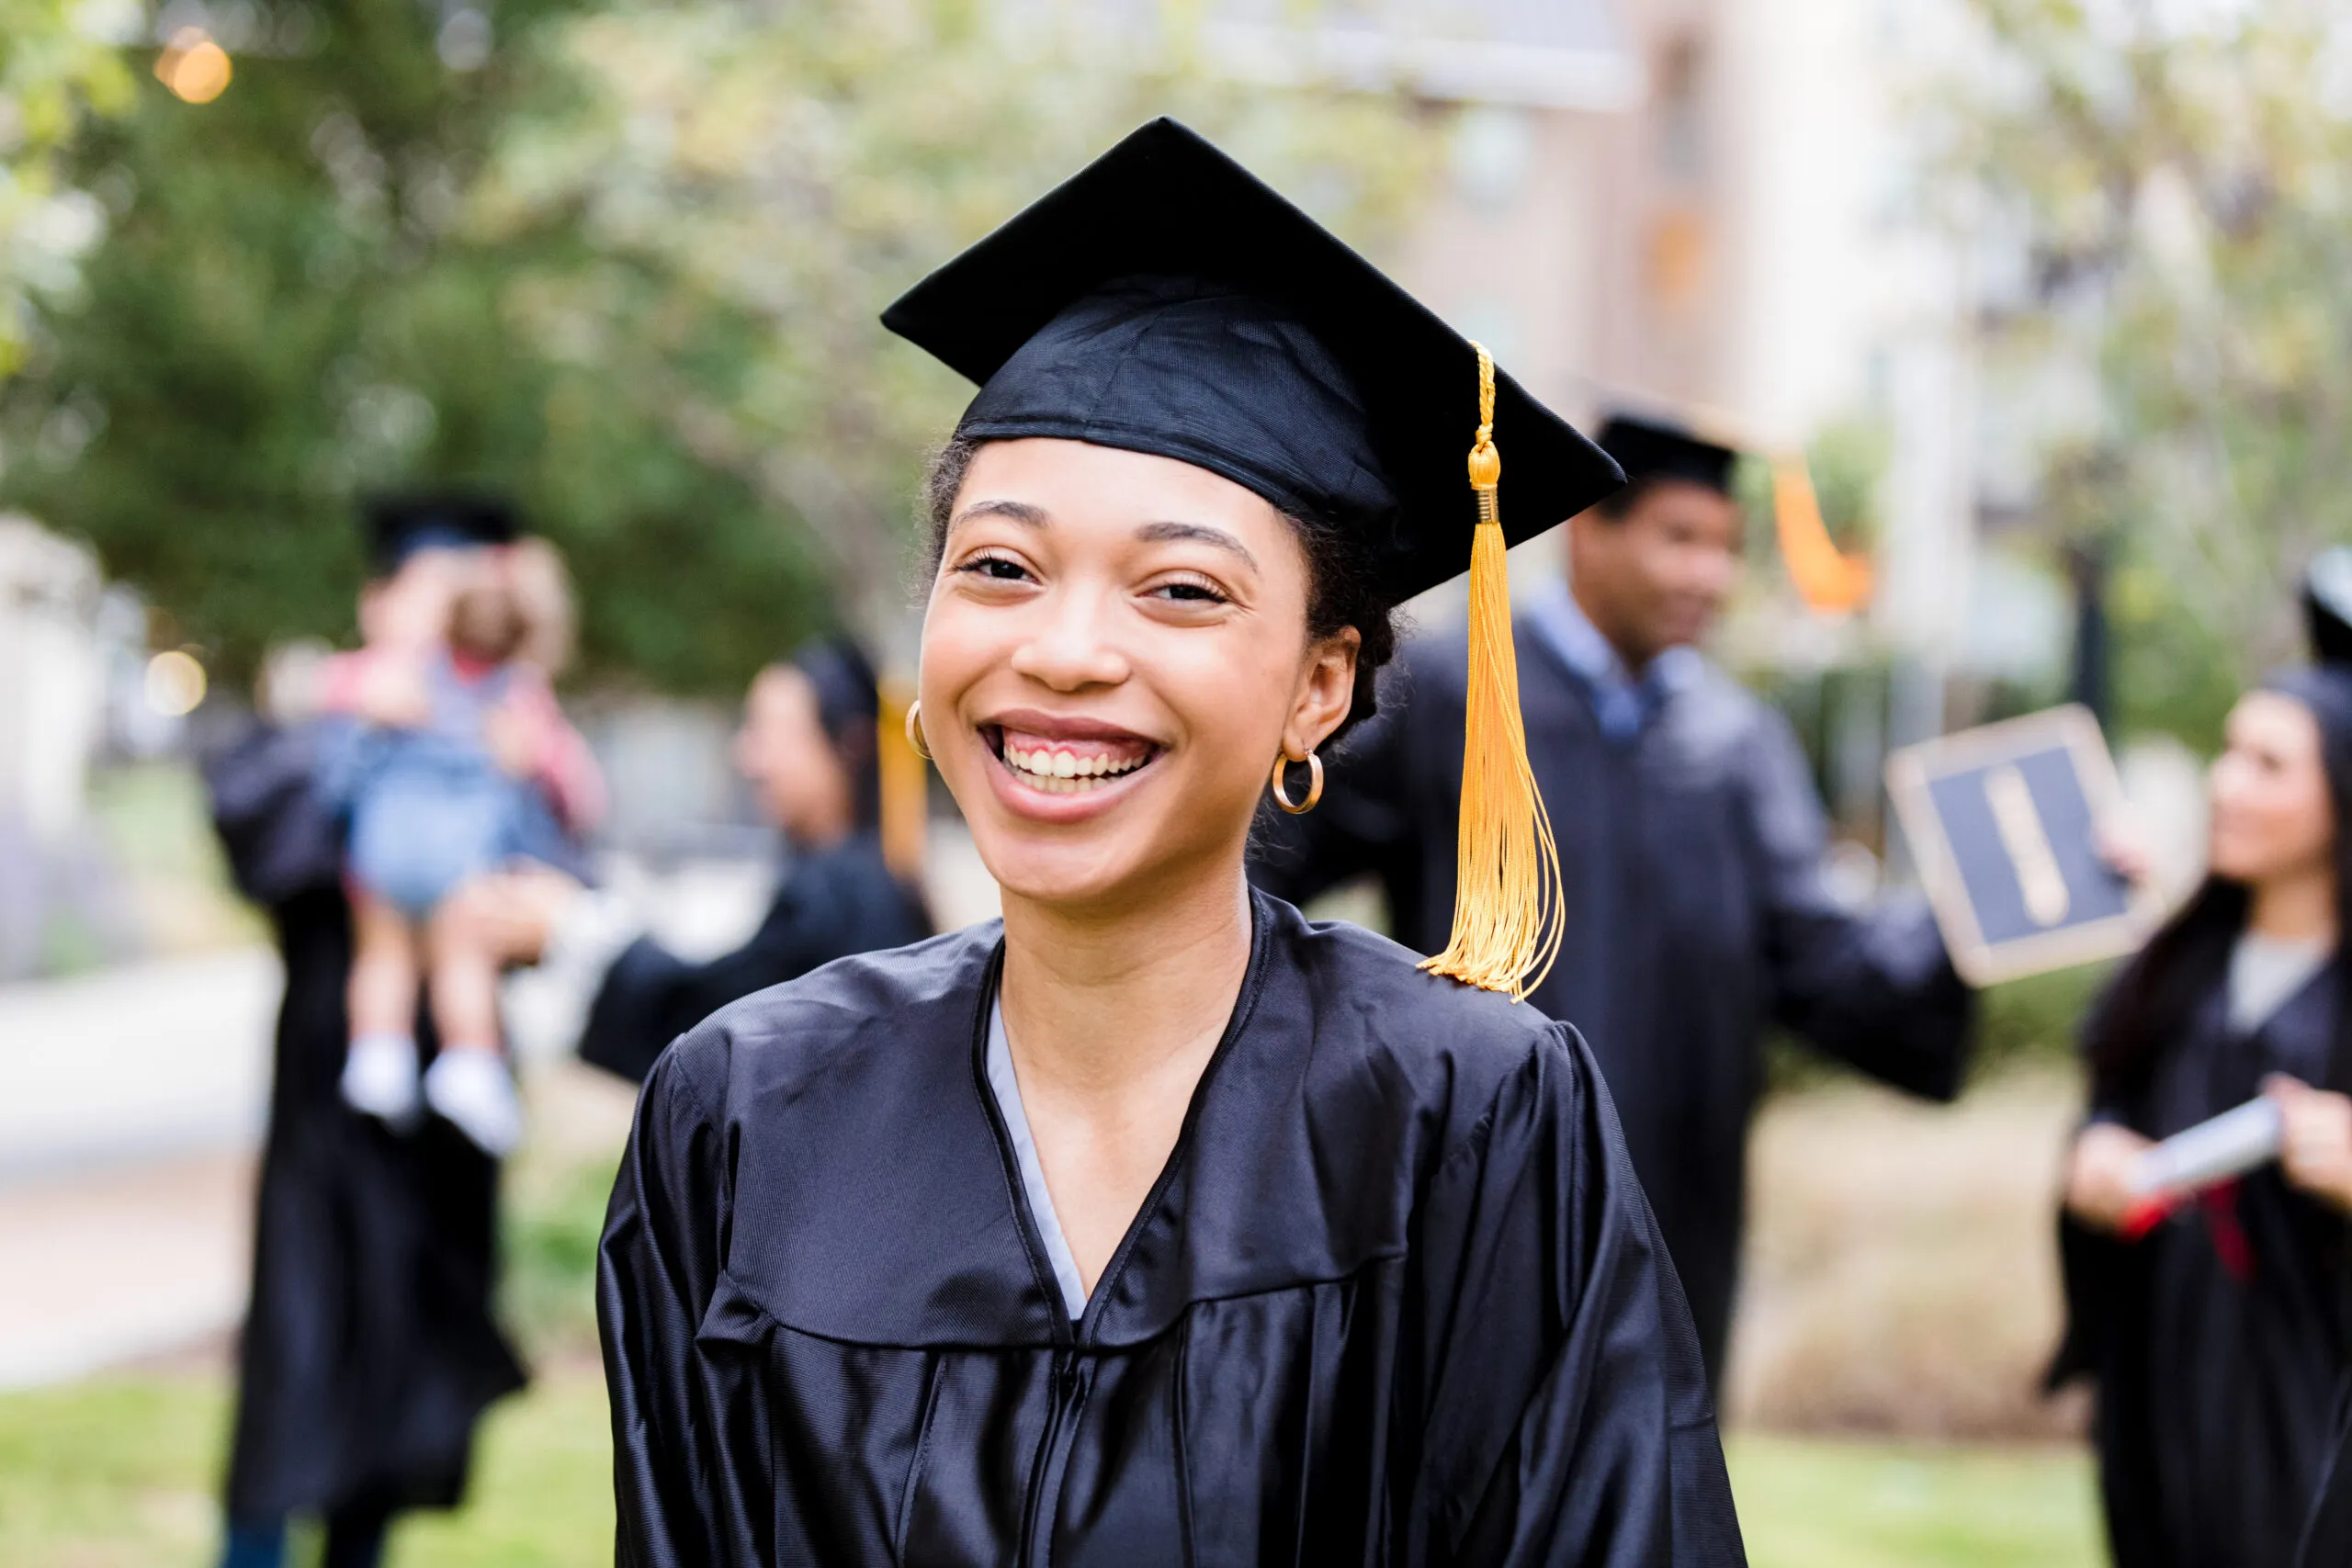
811, 748
370, 1349
1690, 846
2217, 1340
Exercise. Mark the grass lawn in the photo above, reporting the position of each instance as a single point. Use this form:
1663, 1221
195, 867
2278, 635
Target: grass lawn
117, 1472
1829, 1502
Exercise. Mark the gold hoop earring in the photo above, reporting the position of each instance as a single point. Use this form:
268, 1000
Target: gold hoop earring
915, 737
1314, 783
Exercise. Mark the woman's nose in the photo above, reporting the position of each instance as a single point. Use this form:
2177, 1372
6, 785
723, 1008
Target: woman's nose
1070, 648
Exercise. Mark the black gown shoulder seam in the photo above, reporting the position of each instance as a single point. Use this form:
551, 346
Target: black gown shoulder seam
1553, 1035
673, 1065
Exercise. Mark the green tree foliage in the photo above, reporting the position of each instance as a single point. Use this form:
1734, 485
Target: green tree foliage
288, 309
625, 265
57, 64
2174, 179
751, 185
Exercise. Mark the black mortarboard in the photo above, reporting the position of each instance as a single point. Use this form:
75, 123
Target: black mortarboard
2327, 606
1647, 449
1164, 299
400, 526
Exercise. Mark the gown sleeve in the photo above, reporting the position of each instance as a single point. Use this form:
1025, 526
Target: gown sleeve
279, 838
650, 996
665, 1238
1875, 990
1567, 1417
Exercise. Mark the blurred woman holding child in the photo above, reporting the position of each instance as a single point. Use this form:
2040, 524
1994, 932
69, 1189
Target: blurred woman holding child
810, 746
415, 822
453, 761
2217, 1339
369, 1348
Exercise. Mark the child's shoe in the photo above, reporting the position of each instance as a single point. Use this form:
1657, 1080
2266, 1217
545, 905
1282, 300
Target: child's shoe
379, 1077
473, 1092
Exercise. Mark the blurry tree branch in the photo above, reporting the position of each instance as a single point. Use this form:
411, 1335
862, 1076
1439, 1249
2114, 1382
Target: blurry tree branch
2171, 183
58, 62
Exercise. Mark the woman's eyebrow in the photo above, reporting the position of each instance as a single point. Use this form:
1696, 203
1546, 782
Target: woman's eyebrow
1018, 510
1160, 532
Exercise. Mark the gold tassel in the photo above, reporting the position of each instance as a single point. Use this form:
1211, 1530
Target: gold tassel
1507, 919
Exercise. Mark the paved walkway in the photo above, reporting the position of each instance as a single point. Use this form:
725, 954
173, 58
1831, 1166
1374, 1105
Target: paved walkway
135, 1098
136, 1063
105, 1267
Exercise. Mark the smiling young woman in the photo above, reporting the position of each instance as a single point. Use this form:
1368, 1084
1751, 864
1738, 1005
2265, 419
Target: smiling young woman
1156, 1223
2218, 1339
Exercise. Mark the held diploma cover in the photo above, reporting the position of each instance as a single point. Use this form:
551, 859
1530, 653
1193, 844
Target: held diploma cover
2004, 823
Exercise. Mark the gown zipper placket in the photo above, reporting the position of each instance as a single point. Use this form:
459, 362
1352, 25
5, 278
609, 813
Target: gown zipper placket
1071, 1373
1068, 1392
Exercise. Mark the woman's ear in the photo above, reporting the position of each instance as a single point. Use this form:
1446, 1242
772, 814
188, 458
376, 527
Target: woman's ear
1327, 689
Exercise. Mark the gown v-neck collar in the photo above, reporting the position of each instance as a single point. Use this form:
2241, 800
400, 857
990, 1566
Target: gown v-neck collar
1006, 1089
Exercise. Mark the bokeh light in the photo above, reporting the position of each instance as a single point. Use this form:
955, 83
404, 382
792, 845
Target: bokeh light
174, 683
193, 67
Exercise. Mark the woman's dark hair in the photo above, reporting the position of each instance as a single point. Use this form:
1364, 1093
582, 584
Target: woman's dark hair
849, 705
1342, 584
2188, 958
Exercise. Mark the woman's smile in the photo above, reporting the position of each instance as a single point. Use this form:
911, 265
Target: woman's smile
1062, 768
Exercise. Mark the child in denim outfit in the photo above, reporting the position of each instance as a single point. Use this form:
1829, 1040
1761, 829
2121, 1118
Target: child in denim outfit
457, 762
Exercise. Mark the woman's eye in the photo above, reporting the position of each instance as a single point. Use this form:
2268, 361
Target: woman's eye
1189, 590
996, 568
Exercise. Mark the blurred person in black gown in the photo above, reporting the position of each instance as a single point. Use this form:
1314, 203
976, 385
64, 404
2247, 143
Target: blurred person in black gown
368, 1349
1691, 844
1154, 1224
2217, 1340
809, 749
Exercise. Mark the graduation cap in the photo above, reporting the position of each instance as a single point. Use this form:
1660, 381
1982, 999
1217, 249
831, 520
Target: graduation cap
2327, 606
400, 526
1653, 449
1165, 300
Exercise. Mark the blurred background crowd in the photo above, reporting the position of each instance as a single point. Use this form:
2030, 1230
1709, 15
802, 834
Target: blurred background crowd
2044, 302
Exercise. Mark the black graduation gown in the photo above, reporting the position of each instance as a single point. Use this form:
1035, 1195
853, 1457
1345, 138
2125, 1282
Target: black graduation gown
368, 1349
2217, 1341
836, 902
2327, 1539
1696, 916
1395, 1299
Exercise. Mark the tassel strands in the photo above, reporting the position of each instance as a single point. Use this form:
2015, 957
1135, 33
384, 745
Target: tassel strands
1508, 919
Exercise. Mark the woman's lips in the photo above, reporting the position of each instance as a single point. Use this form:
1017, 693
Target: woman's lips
1068, 763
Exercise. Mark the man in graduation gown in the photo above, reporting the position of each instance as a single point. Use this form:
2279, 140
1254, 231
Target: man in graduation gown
368, 1349
1691, 847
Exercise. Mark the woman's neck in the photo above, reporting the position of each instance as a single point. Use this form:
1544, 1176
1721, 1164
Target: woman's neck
2299, 906
1102, 1005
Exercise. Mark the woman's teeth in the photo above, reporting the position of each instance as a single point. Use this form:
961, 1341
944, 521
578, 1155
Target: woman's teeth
1065, 772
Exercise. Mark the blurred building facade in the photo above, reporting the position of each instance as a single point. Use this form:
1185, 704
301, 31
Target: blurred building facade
1714, 210
1711, 208
51, 679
